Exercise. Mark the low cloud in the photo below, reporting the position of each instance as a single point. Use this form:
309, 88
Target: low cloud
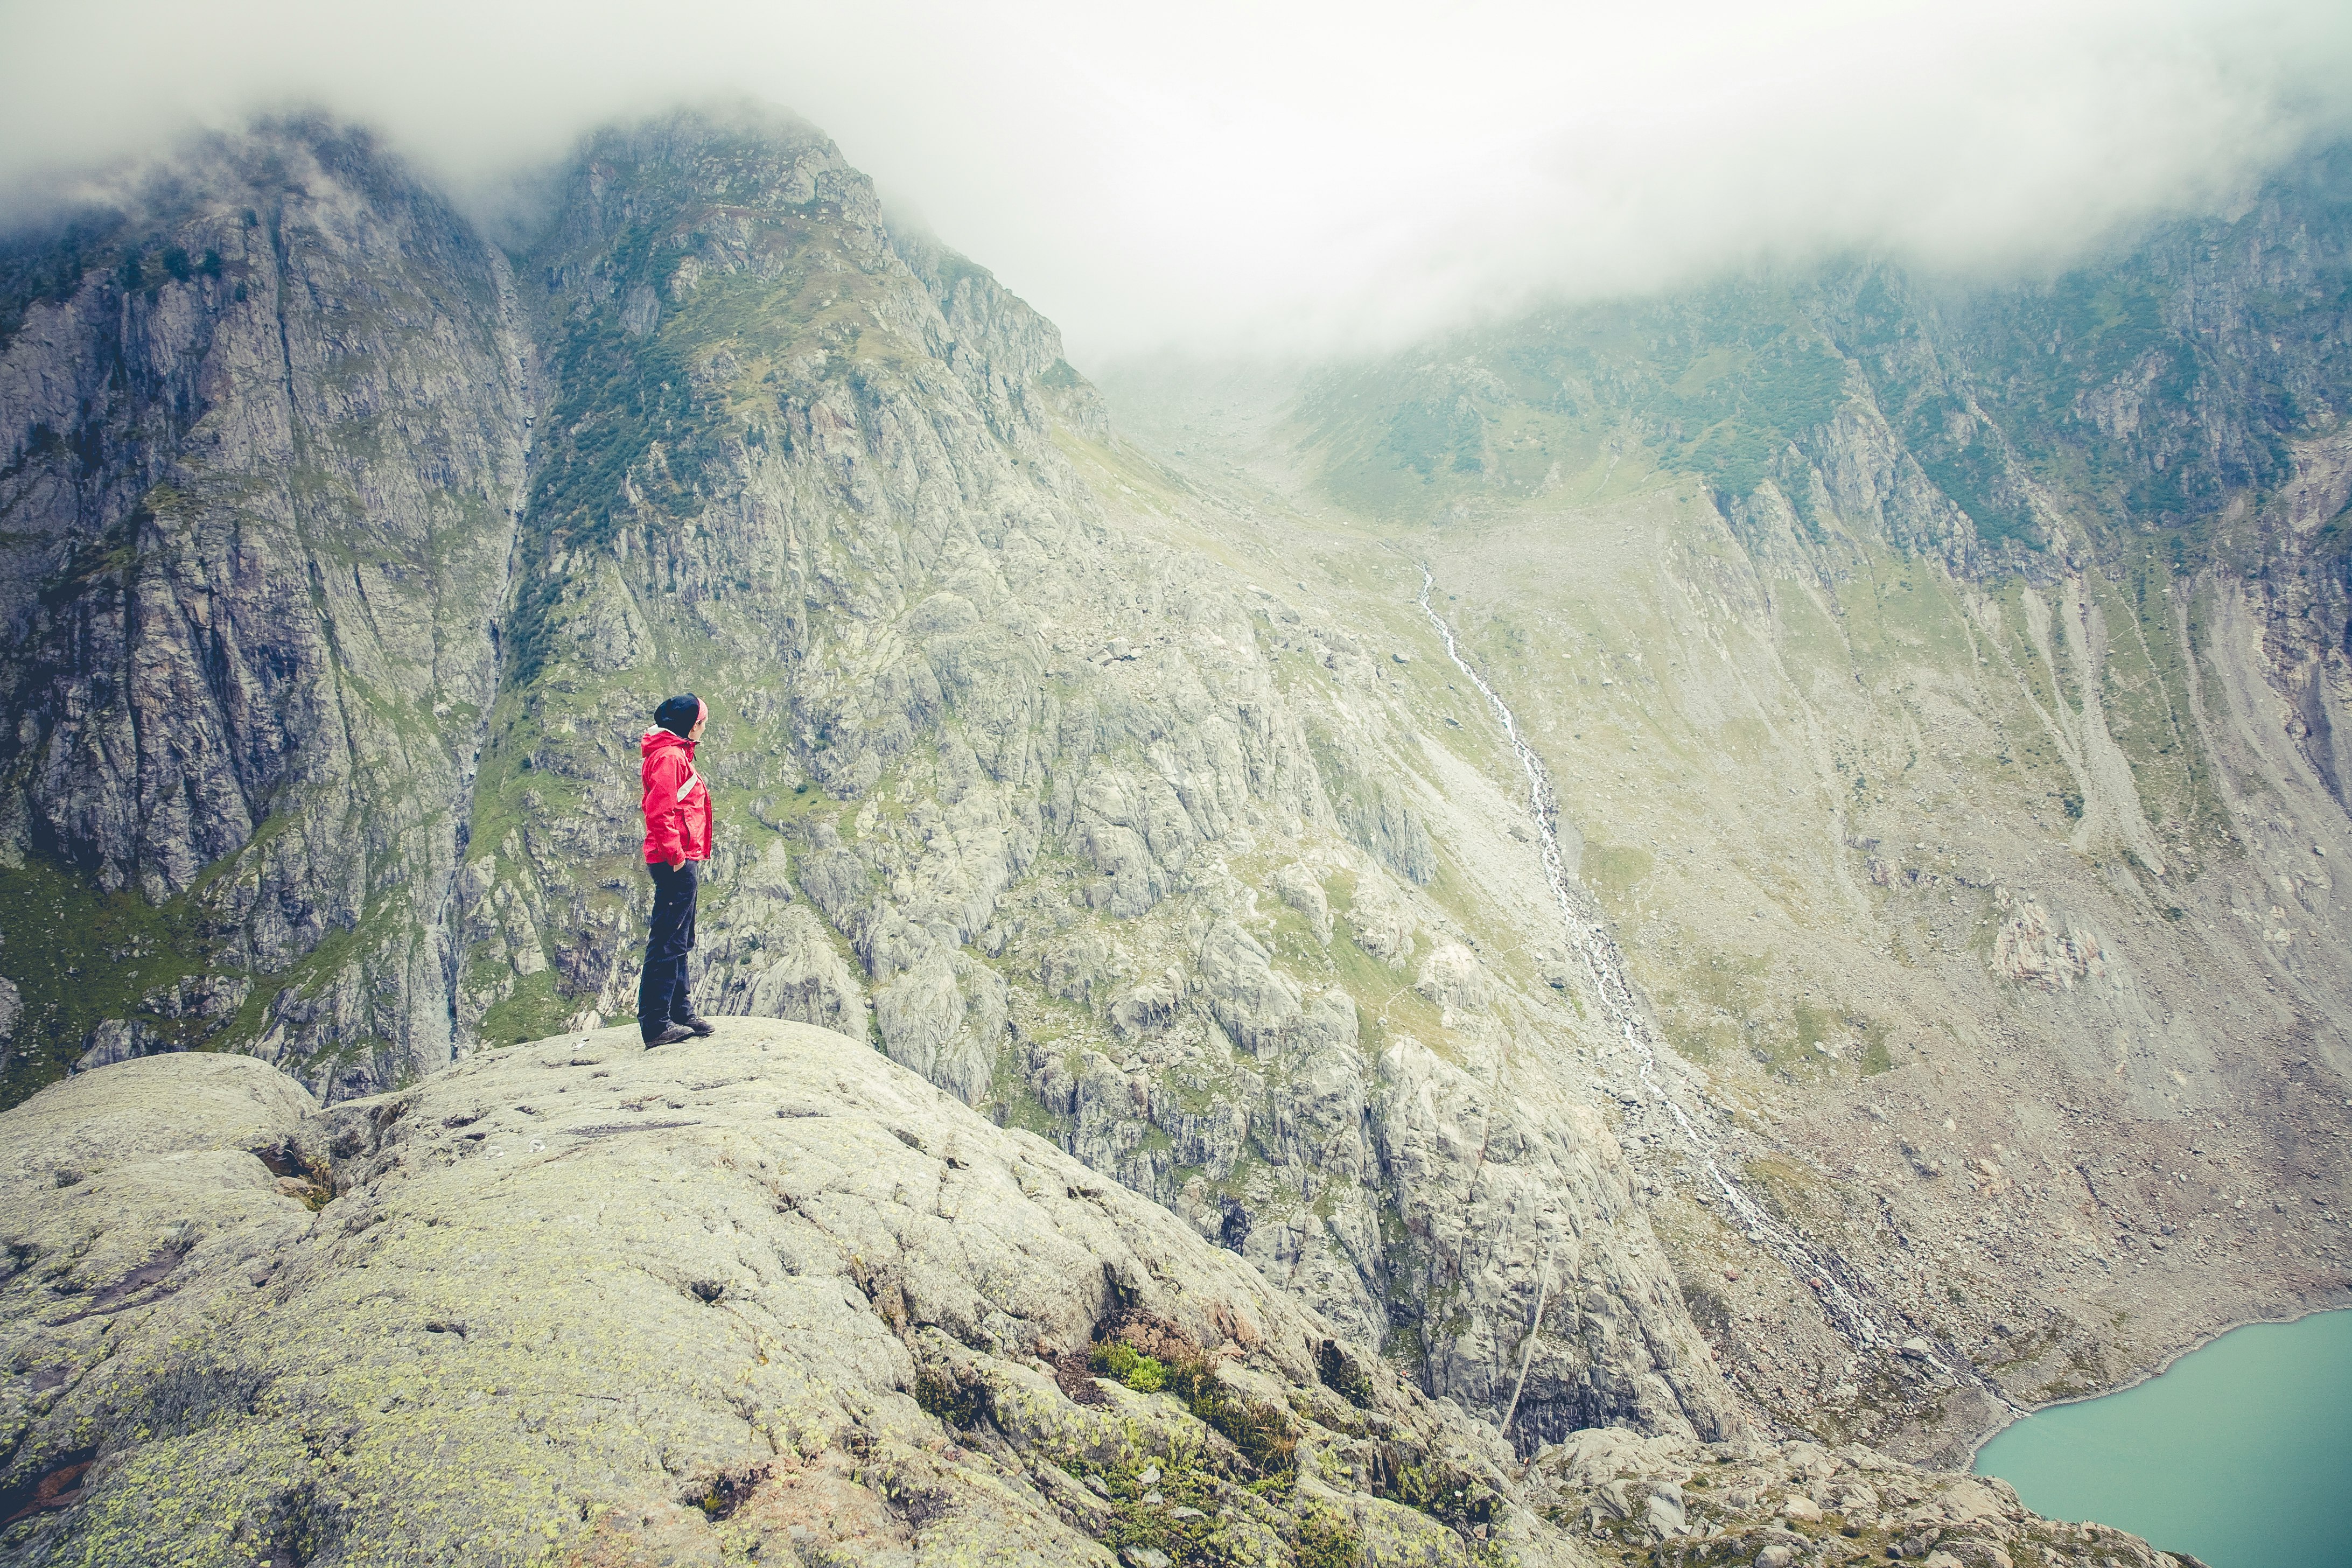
1226, 176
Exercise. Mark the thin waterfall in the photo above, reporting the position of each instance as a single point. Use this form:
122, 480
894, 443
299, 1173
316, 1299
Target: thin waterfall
1590, 938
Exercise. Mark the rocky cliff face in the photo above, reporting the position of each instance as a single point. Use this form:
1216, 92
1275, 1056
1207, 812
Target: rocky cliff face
767, 1298
265, 436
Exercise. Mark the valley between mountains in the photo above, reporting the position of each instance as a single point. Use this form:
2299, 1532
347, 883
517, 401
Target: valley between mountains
1933, 700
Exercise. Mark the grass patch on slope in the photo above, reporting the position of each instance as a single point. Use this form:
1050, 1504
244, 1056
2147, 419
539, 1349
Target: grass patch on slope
78, 956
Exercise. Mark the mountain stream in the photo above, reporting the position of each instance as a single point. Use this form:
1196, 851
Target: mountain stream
1829, 1276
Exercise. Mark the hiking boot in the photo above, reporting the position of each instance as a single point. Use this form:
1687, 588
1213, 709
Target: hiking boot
695, 1022
671, 1034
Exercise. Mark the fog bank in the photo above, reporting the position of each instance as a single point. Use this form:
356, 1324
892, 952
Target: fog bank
1306, 178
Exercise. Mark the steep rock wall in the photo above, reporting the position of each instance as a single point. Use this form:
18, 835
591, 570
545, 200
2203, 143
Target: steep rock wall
264, 436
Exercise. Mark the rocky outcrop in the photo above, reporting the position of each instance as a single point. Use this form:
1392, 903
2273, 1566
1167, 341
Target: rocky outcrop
774, 957
1008, 354
2031, 949
767, 1298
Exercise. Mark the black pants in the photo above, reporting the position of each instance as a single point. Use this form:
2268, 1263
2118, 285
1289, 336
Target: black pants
661, 994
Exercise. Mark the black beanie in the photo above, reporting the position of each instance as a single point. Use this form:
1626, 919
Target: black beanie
679, 713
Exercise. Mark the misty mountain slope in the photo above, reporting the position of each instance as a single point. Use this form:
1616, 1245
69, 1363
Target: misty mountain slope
263, 434
1024, 774
1977, 862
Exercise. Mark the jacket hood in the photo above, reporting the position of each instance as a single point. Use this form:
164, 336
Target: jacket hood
657, 739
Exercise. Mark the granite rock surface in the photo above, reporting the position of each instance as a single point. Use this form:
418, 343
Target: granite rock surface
768, 1298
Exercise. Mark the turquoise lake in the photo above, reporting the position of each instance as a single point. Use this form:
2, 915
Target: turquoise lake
2240, 1455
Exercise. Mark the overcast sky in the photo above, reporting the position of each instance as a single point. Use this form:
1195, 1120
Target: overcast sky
1303, 177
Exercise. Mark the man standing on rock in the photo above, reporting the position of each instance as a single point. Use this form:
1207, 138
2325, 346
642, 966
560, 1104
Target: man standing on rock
678, 840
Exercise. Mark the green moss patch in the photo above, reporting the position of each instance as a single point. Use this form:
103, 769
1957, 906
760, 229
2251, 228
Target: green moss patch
78, 956
1263, 1433
533, 1010
1117, 1359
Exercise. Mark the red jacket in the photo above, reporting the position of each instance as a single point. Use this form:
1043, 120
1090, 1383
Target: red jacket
677, 807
